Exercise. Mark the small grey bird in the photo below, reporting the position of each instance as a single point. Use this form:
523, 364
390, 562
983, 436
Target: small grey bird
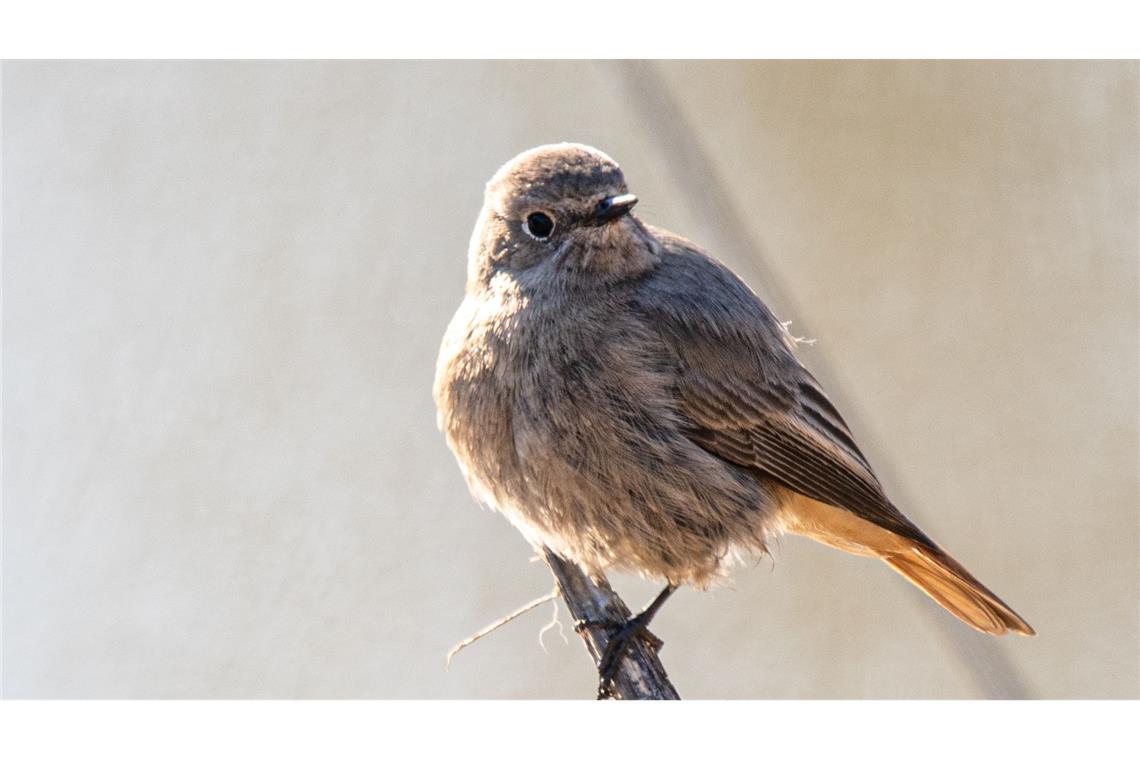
627, 401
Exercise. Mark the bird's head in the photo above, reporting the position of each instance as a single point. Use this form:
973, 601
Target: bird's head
560, 211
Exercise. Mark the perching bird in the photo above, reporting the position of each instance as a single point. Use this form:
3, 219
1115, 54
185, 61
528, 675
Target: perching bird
627, 401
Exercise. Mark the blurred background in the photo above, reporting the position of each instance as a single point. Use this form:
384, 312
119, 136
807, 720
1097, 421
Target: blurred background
224, 287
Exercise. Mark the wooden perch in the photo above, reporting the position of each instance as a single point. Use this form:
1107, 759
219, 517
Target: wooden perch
641, 674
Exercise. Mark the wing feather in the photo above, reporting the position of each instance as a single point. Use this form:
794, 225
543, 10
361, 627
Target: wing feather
745, 396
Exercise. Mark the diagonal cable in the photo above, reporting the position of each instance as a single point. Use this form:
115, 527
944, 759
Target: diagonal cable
992, 670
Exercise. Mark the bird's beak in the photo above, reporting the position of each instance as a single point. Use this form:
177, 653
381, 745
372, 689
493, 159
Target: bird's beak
614, 207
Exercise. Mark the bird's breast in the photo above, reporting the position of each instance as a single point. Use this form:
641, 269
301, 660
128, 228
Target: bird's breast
566, 420
529, 386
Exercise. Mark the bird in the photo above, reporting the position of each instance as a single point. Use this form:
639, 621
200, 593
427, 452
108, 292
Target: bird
629, 403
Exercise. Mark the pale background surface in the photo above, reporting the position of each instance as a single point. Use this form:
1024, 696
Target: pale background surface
224, 289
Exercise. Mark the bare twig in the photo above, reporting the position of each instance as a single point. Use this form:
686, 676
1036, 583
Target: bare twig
499, 624
641, 674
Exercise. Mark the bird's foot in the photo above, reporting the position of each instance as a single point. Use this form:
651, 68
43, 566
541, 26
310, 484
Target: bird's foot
621, 638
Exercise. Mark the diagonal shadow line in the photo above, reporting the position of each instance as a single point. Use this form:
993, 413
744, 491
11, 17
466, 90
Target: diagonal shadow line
990, 667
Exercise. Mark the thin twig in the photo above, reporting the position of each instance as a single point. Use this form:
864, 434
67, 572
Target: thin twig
499, 624
554, 623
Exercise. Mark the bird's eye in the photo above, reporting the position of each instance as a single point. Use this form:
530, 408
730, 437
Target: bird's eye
539, 225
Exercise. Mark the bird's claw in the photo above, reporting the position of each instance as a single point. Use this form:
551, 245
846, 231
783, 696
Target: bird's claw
646, 634
616, 647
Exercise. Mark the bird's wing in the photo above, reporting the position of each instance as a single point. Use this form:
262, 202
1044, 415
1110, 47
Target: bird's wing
744, 395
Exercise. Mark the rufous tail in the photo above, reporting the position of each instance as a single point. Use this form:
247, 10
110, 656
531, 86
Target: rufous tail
945, 581
922, 563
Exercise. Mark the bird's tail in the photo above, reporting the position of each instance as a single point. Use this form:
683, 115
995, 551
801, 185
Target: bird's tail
922, 563
945, 581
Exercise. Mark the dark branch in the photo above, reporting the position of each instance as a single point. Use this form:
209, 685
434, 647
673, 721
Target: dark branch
641, 675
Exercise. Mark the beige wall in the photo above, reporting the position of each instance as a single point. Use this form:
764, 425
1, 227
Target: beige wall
224, 288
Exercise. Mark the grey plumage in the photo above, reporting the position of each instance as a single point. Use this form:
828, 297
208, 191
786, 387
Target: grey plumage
629, 402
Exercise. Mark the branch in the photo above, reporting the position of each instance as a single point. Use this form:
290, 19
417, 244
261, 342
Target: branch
641, 674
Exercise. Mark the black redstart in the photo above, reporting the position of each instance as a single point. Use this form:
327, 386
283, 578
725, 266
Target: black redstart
627, 401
